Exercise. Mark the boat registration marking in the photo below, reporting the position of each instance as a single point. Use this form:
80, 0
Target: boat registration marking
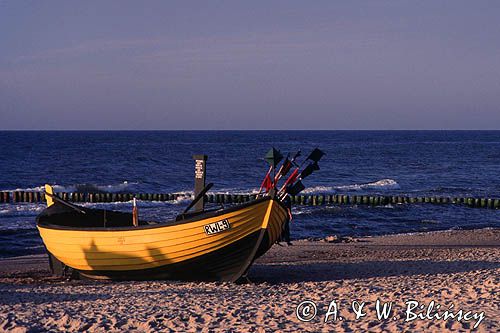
216, 227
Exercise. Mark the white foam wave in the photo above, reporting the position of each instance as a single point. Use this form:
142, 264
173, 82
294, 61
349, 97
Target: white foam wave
116, 187
379, 184
21, 209
383, 184
319, 189
57, 188
182, 199
112, 188
236, 191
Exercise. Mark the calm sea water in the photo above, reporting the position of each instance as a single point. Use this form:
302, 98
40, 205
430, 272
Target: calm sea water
454, 163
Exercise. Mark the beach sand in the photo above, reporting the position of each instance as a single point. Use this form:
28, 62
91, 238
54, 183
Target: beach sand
450, 267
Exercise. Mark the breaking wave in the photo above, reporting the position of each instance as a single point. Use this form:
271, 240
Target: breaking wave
113, 188
383, 184
389, 184
23, 209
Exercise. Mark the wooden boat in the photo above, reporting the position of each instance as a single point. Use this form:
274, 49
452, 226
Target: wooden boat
216, 245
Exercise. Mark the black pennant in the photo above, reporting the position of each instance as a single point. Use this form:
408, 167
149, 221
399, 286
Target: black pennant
309, 169
296, 188
315, 155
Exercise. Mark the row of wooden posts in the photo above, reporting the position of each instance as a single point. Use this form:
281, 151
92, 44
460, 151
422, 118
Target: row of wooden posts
313, 200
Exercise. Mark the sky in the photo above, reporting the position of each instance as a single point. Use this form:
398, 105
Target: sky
168, 65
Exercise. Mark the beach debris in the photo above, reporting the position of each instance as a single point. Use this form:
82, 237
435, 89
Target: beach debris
337, 239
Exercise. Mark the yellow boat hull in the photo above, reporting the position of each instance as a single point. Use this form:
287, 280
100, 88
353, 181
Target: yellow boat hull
214, 246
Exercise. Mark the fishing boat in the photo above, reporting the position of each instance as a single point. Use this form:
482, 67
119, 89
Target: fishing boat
206, 245
213, 245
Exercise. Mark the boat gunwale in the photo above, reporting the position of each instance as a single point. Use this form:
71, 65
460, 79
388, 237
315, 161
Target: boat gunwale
202, 216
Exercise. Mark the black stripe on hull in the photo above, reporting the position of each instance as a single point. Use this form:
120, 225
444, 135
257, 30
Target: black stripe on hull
225, 264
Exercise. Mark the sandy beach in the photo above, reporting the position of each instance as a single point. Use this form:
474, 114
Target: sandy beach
450, 267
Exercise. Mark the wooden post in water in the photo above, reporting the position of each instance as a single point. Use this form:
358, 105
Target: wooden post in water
477, 202
490, 203
483, 203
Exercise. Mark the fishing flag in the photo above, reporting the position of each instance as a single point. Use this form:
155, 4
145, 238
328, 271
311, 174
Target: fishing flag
273, 157
267, 183
296, 188
315, 155
292, 178
285, 167
309, 169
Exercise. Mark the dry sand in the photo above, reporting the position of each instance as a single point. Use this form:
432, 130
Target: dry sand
453, 267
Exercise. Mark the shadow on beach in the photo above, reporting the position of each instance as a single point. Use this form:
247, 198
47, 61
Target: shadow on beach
26, 295
317, 272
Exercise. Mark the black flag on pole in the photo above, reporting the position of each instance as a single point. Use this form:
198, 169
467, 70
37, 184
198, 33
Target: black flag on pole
287, 165
309, 169
296, 188
315, 155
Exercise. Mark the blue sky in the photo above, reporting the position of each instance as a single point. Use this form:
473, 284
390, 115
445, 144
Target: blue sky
250, 65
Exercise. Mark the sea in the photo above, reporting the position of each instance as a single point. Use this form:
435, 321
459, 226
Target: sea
413, 163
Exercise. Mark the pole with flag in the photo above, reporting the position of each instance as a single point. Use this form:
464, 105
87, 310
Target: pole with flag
314, 156
273, 157
266, 183
286, 167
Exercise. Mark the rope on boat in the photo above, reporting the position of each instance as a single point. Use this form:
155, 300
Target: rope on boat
311, 200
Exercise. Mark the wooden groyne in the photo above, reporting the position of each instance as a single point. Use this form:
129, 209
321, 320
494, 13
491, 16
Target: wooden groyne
222, 198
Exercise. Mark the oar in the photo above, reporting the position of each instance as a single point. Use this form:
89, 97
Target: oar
64, 202
198, 197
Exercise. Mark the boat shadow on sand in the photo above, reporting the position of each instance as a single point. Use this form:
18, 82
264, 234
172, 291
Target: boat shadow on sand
317, 272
